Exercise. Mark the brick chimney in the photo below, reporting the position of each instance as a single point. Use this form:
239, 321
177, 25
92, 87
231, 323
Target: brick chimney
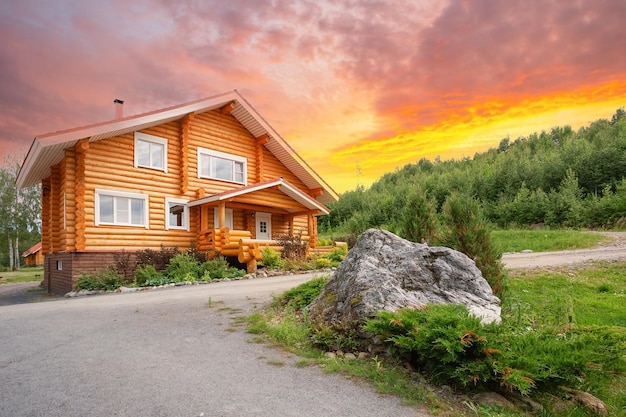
119, 108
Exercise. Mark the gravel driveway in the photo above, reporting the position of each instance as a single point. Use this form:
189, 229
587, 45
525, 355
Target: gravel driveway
165, 353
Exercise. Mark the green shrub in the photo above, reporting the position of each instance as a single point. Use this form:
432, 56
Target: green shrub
218, 268
449, 345
575, 358
322, 262
183, 267
271, 258
145, 274
105, 279
337, 254
455, 348
301, 296
87, 282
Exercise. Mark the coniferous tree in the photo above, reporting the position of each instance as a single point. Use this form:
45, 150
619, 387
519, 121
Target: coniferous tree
465, 230
419, 218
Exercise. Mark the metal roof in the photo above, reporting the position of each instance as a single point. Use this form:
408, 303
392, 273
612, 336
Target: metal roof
48, 149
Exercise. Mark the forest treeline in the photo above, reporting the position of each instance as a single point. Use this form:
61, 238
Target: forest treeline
558, 178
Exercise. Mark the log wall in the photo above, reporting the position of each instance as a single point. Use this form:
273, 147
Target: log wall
68, 203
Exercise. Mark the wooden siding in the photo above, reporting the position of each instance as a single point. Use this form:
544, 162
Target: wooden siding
109, 165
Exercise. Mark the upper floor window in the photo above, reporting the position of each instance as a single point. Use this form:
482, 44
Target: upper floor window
221, 166
121, 209
150, 151
177, 214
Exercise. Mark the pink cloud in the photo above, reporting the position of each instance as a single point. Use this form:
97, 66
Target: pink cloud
62, 63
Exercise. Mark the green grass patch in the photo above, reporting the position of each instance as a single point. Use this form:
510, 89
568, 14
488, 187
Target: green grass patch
27, 274
593, 296
544, 240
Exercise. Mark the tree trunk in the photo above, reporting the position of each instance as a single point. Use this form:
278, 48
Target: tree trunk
16, 250
11, 256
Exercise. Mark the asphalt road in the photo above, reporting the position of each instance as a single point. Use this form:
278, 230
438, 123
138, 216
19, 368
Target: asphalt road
169, 352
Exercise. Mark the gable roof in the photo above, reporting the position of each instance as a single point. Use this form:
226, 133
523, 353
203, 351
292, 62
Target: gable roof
36, 248
48, 149
282, 185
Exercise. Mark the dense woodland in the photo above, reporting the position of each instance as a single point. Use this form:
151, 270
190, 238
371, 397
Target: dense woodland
559, 178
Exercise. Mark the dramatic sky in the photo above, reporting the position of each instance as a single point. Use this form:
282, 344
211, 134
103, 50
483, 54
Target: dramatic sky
358, 88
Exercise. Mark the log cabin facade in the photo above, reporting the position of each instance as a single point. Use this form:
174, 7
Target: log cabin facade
210, 173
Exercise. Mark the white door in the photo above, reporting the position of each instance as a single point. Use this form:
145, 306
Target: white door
263, 225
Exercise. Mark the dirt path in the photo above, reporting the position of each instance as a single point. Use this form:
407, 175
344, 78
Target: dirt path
611, 251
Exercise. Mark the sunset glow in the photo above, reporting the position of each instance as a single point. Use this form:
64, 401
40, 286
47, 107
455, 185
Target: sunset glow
357, 88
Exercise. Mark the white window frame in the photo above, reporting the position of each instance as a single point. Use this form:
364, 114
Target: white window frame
144, 137
228, 220
204, 153
114, 194
184, 203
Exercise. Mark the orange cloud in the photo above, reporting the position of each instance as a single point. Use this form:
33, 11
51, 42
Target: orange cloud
347, 84
479, 127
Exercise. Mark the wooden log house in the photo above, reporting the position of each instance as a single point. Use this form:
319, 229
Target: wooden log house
210, 173
33, 256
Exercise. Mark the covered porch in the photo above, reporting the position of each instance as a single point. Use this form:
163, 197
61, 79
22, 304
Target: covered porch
242, 222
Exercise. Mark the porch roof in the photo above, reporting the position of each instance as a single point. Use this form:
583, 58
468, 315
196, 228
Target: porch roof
281, 184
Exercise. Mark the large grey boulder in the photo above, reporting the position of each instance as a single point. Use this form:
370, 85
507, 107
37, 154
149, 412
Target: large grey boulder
386, 272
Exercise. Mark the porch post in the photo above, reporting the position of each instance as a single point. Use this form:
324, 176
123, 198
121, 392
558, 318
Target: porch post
312, 230
290, 219
204, 218
221, 211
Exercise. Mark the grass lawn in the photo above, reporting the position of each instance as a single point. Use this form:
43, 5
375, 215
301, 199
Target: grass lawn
545, 240
26, 274
593, 296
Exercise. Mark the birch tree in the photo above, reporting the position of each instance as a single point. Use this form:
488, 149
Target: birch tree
20, 211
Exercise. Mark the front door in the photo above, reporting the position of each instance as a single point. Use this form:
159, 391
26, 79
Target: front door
263, 225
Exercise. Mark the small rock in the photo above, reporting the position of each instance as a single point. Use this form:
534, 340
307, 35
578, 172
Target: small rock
349, 356
527, 251
363, 355
591, 403
340, 354
330, 355
71, 294
492, 398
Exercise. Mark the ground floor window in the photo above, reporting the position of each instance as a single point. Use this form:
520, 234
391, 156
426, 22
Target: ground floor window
177, 214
